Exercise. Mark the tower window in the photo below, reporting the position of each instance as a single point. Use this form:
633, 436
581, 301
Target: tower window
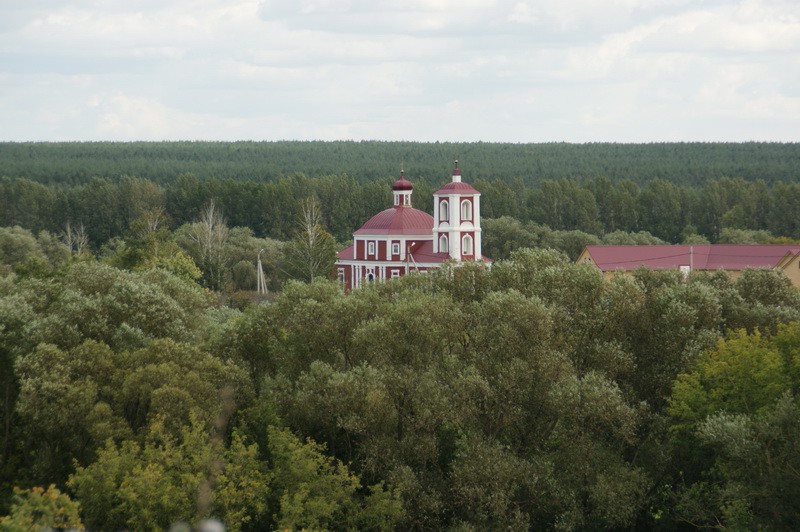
466, 245
443, 244
466, 210
444, 211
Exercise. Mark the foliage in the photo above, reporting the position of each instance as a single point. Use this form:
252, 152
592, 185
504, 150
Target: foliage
117, 395
687, 163
312, 251
40, 509
26, 255
319, 492
89, 300
153, 485
735, 428
674, 192
532, 394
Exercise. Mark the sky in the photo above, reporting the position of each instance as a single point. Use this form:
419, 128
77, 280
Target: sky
415, 70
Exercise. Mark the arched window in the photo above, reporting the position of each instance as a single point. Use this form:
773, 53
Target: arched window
444, 211
443, 244
466, 210
370, 277
466, 245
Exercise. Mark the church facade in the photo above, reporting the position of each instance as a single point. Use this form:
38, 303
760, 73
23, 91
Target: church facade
402, 239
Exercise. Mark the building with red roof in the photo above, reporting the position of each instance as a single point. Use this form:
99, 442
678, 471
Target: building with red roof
402, 239
732, 258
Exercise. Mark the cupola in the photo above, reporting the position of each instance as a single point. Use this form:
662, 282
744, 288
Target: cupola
402, 189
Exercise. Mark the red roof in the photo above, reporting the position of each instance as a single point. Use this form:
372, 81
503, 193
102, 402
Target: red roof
423, 252
398, 221
347, 253
699, 257
458, 187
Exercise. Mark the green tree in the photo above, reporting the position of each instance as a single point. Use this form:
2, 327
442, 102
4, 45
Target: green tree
204, 241
319, 492
563, 204
662, 210
312, 251
622, 238
27, 204
502, 236
734, 424
39, 509
153, 485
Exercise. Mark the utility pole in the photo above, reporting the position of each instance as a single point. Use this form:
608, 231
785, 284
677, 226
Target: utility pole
261, 287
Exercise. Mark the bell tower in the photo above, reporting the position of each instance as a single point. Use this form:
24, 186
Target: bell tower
457, 219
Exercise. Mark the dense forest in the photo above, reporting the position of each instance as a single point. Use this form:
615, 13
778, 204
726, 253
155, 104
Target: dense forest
74, 163
143, 382
722, 210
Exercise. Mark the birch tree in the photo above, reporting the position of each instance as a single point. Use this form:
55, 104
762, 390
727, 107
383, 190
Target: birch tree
208, 237
312, 251
75, 238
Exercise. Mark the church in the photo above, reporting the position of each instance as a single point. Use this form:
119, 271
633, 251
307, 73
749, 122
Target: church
402, 239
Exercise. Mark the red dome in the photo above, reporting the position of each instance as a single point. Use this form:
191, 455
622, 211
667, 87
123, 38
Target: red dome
398, 221
402, 183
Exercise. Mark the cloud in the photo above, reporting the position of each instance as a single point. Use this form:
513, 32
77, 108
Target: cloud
517, 70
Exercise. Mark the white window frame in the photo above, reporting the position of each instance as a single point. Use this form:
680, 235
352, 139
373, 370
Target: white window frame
395, 274
467, 245
340, 275
444, 211
466, 210
370, 248
395, 248
443, 244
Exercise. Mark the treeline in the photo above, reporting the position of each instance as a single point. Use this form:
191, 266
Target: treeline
163, 162
722, 210
535, 395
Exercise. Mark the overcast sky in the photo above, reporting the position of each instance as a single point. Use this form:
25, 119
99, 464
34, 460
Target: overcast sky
425, 70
